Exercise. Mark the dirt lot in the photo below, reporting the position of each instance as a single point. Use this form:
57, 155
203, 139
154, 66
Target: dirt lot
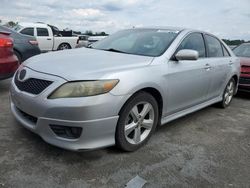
207, 148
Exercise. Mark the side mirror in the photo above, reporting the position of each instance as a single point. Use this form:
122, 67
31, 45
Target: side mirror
187, 55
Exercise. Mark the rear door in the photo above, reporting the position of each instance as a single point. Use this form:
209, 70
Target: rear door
188, 81
44, 38
220, 61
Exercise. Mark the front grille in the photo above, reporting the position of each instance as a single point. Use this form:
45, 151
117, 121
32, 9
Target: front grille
244, 80
32, 85
28, 117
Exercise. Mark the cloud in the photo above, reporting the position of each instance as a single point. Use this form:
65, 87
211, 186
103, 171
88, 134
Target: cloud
86, 13
227, 18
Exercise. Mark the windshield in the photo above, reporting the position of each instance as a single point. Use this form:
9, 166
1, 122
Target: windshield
17, 28
243, 50
146, 42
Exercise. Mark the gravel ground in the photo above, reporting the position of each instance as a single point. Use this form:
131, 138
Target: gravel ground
209, 148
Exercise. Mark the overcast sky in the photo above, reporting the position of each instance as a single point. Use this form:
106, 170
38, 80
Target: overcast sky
225, 18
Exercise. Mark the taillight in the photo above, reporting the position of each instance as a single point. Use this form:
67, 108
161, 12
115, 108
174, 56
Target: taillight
6, 42
33, 42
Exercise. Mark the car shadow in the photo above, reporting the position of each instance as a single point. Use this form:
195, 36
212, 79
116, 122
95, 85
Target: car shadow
243, 95
5, 85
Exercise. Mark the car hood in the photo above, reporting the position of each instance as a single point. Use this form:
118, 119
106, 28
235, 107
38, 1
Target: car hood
245, 61
85, 63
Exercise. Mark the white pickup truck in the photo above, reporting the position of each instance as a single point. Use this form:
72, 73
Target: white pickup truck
49, 37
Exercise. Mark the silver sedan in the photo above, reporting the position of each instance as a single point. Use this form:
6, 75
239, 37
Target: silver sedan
119, 89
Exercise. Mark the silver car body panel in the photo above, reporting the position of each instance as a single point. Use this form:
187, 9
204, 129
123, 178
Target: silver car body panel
185, 86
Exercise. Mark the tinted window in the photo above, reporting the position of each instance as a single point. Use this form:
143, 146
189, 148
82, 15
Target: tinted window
42, 32
225, 52
194, 42
214, 47
243, 50
28, 31
146, 42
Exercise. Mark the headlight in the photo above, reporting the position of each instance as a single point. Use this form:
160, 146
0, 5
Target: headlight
83, 89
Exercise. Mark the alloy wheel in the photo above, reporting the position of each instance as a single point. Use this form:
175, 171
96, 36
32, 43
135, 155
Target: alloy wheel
229, 92
139, 123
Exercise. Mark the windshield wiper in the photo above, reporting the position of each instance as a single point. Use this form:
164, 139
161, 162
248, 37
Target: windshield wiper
114, 50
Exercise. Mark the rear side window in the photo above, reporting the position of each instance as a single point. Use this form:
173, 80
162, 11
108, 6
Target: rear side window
225, 52
194, 41
42, 32
214, 47
28, 31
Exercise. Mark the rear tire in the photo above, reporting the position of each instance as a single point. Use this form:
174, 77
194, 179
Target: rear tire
64, 46
137, 122
228, 94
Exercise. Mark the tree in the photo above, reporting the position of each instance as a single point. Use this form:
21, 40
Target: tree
11, 24
89, 32
233, 42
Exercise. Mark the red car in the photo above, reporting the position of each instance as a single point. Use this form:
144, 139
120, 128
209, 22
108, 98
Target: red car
8, 61
243, 51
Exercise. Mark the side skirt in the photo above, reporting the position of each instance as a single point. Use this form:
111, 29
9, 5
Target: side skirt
182, 113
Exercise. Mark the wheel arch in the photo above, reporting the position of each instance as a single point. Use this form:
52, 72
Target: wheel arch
236, 79
152, 91
19, 53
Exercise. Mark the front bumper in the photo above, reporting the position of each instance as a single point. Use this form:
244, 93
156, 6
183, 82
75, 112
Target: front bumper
96, 133
97, 116
244, 84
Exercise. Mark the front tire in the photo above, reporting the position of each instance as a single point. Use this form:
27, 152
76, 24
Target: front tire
137, 121
228, 93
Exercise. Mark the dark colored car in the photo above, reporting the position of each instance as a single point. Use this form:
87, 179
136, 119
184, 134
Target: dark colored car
24, 46
8, 61
243, 51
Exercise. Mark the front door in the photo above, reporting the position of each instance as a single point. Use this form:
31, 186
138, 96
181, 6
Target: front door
45, 41
188, 82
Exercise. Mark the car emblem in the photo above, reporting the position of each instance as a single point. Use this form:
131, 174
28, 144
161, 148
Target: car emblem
22, 74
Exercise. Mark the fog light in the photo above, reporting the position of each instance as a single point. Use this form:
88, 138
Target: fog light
66, 131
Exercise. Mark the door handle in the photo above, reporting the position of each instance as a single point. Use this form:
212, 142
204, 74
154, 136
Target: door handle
230, 63
207, 67
48, 39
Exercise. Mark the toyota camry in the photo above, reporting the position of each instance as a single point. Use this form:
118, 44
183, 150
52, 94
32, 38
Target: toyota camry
118, 90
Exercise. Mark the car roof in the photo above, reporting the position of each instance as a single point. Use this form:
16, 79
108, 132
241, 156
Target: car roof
179, 29
162, 27
30, 24
15, 34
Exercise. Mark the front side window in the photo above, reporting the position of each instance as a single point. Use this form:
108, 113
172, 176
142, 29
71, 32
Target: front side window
145, 42
194, 41
214, 47
243, 50
28, 31
42, 32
